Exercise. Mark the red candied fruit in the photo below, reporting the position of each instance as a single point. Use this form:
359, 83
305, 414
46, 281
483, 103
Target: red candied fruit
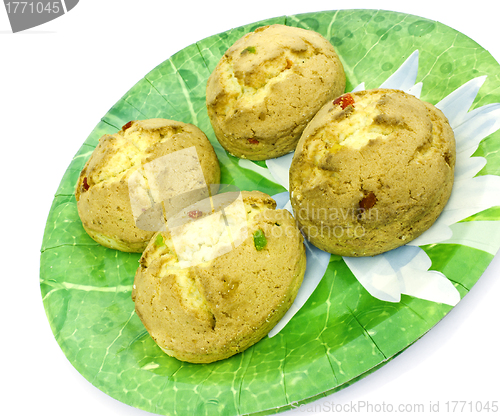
368, 201
85, 185
126, 126
344, 101
195, 214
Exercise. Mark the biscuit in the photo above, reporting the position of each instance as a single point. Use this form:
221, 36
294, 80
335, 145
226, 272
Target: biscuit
103, 191
201, 303
372, 171
268, 86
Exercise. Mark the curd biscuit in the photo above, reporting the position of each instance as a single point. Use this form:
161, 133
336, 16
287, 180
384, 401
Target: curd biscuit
372, 171
103, 191
206, 309
268, 86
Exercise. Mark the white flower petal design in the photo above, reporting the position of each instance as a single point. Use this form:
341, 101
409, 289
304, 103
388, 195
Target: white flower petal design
431, 285
402, 271
468, 167
405, 76
317, 263
279, 168
456, 104
377, 276
482, 235
477, 124
282, 200
405, 270
416, 90
248, 164
360, 87
467, 198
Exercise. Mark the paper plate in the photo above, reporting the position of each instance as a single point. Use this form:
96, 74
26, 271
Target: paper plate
342, 333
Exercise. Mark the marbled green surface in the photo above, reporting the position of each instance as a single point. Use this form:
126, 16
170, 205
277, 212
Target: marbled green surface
342, 333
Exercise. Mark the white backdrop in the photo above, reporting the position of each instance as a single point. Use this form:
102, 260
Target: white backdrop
57, 80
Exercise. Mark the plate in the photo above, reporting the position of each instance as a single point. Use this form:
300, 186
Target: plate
342, 333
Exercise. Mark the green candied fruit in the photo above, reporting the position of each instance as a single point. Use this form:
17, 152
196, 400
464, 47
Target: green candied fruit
159, 240
248, 49
259, 240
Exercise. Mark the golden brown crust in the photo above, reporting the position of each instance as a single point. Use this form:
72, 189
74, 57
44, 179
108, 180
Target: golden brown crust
374, 175
216, 309
102, 190
268, 86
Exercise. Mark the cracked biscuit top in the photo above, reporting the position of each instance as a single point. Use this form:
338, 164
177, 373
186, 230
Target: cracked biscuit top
202, 303
268, 86
104, 188
372, 171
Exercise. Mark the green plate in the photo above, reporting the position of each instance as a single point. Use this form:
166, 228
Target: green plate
342, 333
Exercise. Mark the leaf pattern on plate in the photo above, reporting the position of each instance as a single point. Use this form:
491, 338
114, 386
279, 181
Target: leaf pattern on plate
342, 333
